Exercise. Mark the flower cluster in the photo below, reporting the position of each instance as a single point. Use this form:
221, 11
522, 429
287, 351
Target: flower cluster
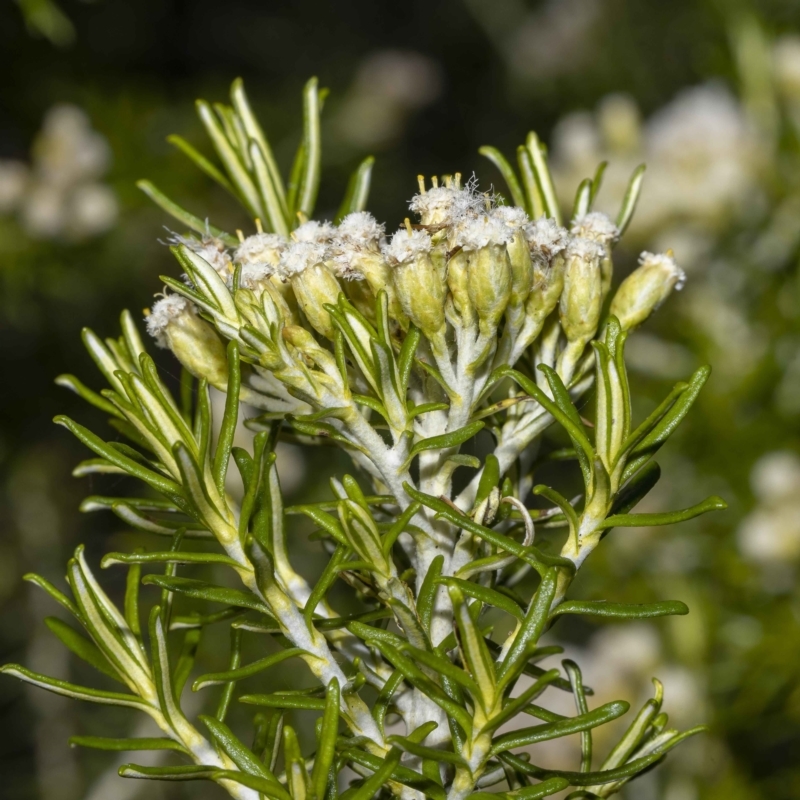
478, 317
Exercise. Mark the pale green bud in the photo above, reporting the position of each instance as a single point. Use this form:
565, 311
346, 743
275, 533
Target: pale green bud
519, 254
313, 283
646, 288
445, 205
175, 324
581, 298
483, 239
417, 281
259, 257
458, 284
546, 242
597, 227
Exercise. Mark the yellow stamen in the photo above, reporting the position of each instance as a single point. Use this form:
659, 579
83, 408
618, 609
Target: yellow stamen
240, 234
457, 180
421, 183
408, 226
258, 225
435, 182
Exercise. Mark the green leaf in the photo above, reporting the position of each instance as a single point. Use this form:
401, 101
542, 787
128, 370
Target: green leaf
444, 440
72, 690
82, 647
264, 786
649, 443
57, 595
355, 198
189, 220
102, 743
229, 419
712, 503
400, 524
242, 756
426, 599
531, 629
603, 608
401, 774
98, 401
583, 199
544, 181
200, 590
378, 778
188, 772
312, 148
514, 706
555, 730
276, 220
111, 559
486, 595
576, 681
216, 678
636, 488
326, 741
186, 658
535, 205
95, 443
201, 161
490, 478
425, 408
405, 360
280, 700
631, 198
327, 579
434, 754
507, 171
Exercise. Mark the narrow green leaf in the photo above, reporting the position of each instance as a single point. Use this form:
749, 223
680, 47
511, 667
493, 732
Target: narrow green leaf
535, 205
71, 690
57, 595
186, 658
544, 181
400, 524
82, 647
279, 700
631, 198
111, 559
276, 220
486, 595
269, 788
355, 198
555, 730
229, 419
507, 171
531, 629
102, 743
187, 772
186, 218
201, 161
712, 503
445, 440
583, 199
426, 599
326, 741
98, 401
576, 681
405, 359
216, 678
200, 590
312, 146
603, 608
242, 756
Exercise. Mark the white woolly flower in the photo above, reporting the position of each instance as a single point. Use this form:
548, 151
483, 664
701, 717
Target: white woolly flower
585, 249
511, 216
474, 233
164, 311
668, 266
445, 205
252, 276
299, 256
360, 229
261, 248
596, 226
314, 232
405, 245
546, 237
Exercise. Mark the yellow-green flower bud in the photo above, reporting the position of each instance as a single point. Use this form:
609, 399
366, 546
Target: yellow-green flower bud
646, 288
417, 281
314, 285
483, 239
519, 254
547, 242
597, 227
581, 298
175, 325
457, 282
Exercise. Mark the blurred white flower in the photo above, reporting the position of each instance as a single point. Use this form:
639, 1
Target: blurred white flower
770, 534
60, 195
13, 179
701, 154
389, 86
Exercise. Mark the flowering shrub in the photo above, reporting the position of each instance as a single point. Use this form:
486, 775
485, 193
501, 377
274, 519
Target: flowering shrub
478, 327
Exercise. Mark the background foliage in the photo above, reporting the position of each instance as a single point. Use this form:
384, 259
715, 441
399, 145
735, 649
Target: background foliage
423, 87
